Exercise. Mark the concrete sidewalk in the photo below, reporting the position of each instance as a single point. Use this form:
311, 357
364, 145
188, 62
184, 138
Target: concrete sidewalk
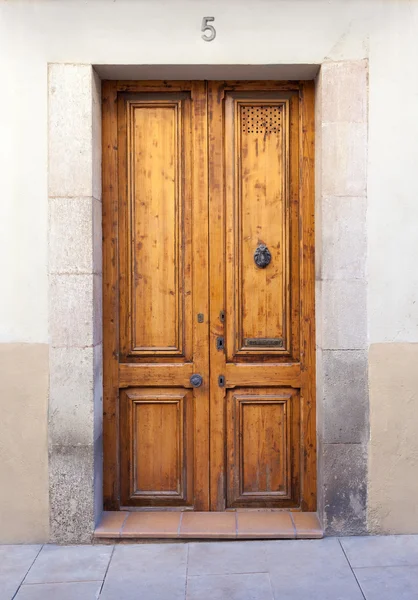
374, 568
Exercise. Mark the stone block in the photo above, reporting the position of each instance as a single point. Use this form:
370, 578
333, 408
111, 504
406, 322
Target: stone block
71, 234
344, 238
344, 91
71, 399
98, 479
70, 130
71, 494
98, 390
344, 316
75, 310
97, 135
97, 309
97, 237
345, 397
345, 489
344, 159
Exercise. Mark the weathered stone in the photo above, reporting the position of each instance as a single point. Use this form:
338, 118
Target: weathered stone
344, 159
345, 489
71, 494
71, 310
71, 406
97, 237
76, 310
345, 397
70, 130
97, 135
344, 239
71, 234
344, 316
344, 91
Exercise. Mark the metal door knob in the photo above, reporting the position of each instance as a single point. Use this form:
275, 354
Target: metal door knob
262, 256
196, 380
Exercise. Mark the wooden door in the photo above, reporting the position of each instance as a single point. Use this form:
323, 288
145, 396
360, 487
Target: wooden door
203, 185
156, 446
262, 315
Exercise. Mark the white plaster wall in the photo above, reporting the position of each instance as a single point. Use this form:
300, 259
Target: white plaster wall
33, 33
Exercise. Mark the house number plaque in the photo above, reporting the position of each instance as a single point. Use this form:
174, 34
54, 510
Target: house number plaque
209, 32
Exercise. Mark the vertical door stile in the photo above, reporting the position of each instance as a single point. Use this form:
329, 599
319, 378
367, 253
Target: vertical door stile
200, 229
217, 294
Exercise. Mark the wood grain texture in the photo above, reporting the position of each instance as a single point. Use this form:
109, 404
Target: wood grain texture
157, 282
110, 297
256, 174
157, 447
263, 447
307, 319
195, 176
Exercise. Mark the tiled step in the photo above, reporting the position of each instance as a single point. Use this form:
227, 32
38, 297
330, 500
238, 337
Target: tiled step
261, 524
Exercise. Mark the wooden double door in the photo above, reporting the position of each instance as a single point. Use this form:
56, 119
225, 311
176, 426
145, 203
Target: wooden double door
209, 378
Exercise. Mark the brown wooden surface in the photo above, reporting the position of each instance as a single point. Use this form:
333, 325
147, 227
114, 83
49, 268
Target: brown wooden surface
257, 189
263, 442
195, 176
157, 439
156, 284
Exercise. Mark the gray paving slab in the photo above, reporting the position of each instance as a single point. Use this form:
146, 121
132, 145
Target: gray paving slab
249, 586
388, 583
146, 572
61, 564
381, 551
314, 569
15, 561
86, 590
211, 558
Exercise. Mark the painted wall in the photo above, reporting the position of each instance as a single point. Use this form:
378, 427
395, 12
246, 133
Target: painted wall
35, 33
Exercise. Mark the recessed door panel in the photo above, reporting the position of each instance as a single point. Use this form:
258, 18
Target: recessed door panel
263, 429
157, 438
156, 274
257, 133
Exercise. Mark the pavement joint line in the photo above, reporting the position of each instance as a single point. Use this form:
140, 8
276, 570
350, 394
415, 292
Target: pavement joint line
107, 568
26, 574
352, 570
187, 572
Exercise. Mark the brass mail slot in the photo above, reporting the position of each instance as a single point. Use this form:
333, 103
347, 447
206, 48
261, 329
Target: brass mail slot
264, 342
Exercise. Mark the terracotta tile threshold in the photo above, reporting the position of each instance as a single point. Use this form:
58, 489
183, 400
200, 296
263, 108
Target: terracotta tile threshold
230, 525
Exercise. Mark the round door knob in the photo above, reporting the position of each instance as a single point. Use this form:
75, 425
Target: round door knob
196, 380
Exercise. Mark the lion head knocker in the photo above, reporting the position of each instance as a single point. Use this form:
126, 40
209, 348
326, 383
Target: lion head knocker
262, 256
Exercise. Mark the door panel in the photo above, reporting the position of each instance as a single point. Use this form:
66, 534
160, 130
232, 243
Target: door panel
157, 446
155, 266
263, 432
256, 175
156, 283
256, 194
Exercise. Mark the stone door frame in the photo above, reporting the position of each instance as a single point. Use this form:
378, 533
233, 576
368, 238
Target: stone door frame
75, 297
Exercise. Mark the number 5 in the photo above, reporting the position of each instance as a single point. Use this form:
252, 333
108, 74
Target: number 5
205, 27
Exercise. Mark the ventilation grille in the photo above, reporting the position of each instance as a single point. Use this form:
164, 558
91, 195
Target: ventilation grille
261, 120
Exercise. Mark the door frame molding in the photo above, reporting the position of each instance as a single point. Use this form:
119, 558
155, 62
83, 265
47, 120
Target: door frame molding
75, 292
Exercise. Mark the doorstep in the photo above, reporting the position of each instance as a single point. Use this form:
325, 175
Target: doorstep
232, 525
